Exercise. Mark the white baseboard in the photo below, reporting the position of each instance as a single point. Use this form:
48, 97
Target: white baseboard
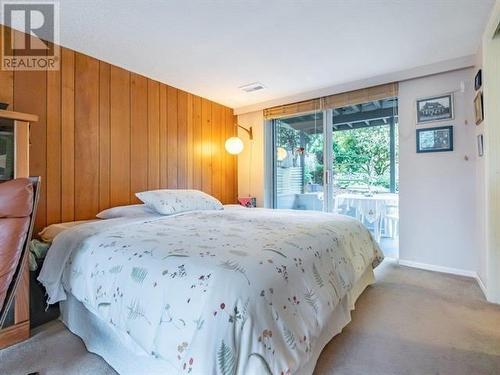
432, 267
453, 271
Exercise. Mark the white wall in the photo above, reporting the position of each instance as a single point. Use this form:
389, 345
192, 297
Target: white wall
251, 168
438, 190
481, 211
491, 90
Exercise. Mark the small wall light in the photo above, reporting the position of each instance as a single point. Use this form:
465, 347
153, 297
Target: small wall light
234, 145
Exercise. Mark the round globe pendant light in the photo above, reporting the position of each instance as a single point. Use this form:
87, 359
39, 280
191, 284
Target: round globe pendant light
234, 145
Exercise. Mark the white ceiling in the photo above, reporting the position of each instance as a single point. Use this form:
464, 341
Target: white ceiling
212, 47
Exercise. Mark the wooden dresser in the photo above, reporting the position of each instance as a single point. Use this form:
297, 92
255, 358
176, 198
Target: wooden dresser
14, 163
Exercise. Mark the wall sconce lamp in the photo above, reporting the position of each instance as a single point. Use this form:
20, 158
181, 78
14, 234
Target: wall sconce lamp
234, 145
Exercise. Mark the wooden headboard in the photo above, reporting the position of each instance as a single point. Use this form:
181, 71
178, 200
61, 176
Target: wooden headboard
105, 133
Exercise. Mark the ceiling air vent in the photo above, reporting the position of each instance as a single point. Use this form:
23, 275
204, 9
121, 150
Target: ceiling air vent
251, 87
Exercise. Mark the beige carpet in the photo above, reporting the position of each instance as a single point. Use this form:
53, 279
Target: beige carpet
410, 322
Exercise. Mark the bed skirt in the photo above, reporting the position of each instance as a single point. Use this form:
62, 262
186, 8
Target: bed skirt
126, 357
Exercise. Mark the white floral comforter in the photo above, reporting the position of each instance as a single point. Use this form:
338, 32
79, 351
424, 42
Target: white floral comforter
213, 291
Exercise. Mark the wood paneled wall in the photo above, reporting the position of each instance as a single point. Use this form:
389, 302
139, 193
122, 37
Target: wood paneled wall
106, 133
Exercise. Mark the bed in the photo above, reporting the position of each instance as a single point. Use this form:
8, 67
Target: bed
232, 291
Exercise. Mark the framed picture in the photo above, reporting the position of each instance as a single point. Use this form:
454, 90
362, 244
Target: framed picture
478, 80
478, 108
435, 139
437, 108
480, 145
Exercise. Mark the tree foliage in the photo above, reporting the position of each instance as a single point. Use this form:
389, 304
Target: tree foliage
360, 155
363, 154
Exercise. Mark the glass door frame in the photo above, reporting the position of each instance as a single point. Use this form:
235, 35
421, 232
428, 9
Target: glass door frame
328, 159
328, 198
328, 191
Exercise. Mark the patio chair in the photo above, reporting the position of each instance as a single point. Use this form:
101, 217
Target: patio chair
391, 221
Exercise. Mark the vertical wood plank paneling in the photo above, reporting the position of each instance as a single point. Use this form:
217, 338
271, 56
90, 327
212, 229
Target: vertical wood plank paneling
53, 182
138, 135
189, 146
216, 151
21, 153
7, 87
6, 81
30, 95
206, 141
67, 135
163, 138
182, 139
197, 143
104, 135
86, 137
120, 136
172, 137
153, 131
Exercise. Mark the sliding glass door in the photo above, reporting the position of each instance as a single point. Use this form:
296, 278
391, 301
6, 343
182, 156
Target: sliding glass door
299, 162
343, 160
365, 163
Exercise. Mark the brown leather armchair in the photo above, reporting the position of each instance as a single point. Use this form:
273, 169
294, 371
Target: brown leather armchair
18, 200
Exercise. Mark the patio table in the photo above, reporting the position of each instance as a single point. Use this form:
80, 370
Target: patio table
372, 209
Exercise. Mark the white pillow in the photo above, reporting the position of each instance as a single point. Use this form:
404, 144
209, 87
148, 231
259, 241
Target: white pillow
167, 202
132, 210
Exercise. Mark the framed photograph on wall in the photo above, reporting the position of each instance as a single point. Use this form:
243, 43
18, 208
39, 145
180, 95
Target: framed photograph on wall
435, 139
480, 145
478, 108
478, 80
436, 108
